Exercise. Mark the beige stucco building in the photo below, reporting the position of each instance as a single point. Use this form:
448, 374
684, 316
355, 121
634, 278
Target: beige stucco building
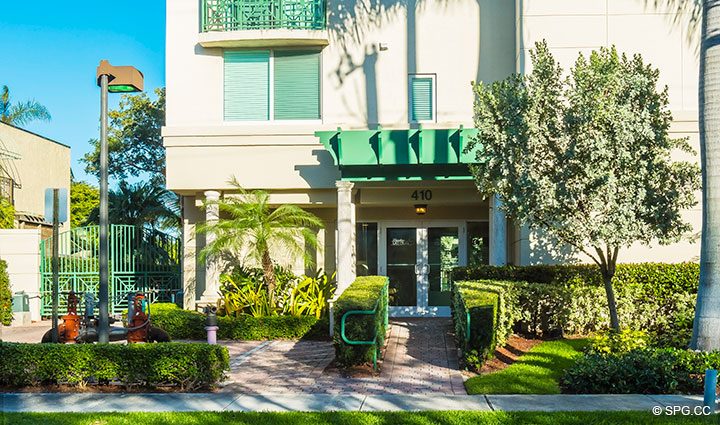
29, 164
358, 111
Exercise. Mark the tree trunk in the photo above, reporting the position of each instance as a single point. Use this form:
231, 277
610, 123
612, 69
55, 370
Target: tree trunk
269, 274
612, 304
706, 327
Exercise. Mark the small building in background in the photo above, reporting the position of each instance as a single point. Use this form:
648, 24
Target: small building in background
29, 164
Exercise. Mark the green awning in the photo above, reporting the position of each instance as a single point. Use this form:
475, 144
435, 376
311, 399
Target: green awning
413, 154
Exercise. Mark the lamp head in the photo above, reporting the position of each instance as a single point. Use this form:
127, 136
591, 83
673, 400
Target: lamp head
121, 79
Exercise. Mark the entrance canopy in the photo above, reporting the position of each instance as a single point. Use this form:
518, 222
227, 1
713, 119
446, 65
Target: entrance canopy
413, 154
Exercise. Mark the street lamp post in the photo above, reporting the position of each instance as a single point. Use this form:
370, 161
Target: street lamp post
111, 79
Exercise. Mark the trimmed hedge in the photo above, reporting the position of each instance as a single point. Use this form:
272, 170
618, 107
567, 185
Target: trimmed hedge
363, 294
186, 324
653, 297
186, 366
649, 371
5, 296
492, 311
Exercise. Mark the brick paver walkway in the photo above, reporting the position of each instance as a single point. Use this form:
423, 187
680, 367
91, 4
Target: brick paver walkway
421, 358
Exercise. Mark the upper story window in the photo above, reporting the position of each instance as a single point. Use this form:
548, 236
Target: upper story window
262, 85
233, 15
421, 90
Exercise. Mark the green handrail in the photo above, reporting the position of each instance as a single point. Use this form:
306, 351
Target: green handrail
374, 342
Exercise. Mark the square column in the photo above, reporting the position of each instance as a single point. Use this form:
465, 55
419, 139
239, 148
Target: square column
212, 270
498, 233
345, 254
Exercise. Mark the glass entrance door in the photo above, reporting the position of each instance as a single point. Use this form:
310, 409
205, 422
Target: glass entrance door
443, 244
419, 258
401, 249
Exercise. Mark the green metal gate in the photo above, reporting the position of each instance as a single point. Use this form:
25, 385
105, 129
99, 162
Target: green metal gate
140, 260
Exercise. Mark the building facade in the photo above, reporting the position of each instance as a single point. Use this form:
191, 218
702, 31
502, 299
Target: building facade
358, 111
29, 164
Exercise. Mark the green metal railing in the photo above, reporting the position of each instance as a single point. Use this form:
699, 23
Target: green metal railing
140, 260
374, 342
232, 15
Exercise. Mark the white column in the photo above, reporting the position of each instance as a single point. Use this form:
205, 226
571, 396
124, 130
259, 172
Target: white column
212, 271
498, 233
345, 253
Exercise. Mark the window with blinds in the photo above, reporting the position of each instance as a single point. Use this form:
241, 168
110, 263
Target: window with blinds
297, 85
272, 85
247, 85
422, 98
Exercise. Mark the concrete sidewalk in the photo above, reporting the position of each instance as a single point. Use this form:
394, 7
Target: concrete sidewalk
94, 402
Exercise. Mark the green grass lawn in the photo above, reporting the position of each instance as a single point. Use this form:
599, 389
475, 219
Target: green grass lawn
536, 372
353, 418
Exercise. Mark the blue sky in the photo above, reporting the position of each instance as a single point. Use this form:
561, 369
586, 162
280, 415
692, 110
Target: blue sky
51, 50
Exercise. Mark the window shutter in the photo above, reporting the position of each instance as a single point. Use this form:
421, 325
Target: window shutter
247, 85
421, 107
297, 85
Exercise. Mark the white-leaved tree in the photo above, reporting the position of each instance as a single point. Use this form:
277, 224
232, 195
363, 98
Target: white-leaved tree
585, 158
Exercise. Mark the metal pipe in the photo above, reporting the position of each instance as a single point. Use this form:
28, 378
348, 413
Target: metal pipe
711, 381
55, 267
104, 324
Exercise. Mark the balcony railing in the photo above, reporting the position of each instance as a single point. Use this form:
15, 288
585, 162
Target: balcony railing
232, 15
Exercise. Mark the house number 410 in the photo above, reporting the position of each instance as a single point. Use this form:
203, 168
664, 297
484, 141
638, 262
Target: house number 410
422, 195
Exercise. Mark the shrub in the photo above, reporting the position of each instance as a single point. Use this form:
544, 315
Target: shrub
5, 295
648, 371
186, 324
7, 214
365, 294
611, 342
245, 292
656, 298
186, 366
491, 308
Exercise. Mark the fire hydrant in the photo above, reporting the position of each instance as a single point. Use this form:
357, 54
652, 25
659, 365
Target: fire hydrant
137, 319
211, 324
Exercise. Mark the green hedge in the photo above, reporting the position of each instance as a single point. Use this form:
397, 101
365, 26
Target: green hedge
656, 298
649, 371
491, 307
5, 295
186, 324
186, 366
363, 294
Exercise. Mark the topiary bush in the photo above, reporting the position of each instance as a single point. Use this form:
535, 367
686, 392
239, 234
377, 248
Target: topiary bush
5, 296
653, 297
365, 294
483, 315
185, 366
647, 371
186, 324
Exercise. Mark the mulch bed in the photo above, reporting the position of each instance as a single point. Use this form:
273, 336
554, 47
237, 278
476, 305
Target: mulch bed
507, 355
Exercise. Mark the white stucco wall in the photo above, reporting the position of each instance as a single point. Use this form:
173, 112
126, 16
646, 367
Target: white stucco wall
362, 86
21, 250
666, 38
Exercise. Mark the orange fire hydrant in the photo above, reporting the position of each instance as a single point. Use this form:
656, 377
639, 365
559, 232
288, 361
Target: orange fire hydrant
138, 323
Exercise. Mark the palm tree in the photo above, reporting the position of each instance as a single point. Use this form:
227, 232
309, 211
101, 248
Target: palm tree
254, 228
20, 113
142, 205
706, 328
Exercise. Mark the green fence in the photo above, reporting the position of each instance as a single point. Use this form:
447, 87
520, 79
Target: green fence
232, 15
140, 260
